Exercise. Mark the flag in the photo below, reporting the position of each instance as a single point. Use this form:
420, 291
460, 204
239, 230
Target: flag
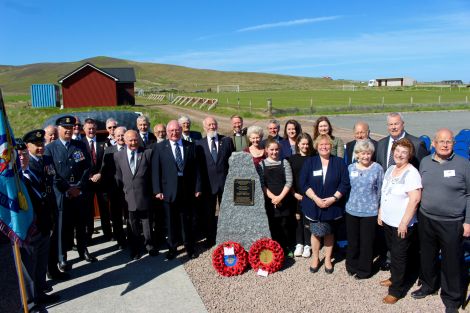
16, 211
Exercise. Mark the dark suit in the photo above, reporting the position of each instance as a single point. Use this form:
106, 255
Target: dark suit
382, 150
240, 142
72, 169
96, 189
137, 192
213, 175
194, 135
150, 140
178, 189
115, 195
286, 150
350, 150
264, 141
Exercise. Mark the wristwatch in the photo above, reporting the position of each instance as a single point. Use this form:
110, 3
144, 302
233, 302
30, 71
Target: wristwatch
336, 198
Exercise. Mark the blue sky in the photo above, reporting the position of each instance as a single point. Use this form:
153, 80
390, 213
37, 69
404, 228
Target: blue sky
426, 40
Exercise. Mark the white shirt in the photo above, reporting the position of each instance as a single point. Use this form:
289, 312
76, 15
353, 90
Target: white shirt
92, 140
180, 145
390, 143
394, 199
129, 155
209, 142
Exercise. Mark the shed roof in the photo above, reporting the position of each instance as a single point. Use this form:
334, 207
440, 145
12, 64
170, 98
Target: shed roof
118, 74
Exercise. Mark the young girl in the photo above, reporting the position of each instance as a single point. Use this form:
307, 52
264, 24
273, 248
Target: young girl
276, 180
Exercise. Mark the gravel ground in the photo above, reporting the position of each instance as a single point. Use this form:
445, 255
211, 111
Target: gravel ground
295, 289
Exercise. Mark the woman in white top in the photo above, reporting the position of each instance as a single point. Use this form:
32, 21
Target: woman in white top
401, 193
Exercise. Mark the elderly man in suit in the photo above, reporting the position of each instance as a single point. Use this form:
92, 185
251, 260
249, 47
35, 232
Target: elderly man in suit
51, 134
176, 182
361, 132
160, 132
187, 133
214, 151
134, 176
111, 125
71, 167
146, 138
384, 156
117, 203
95, 188
273, 132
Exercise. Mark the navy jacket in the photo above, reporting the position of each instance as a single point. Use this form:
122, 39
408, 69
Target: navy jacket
337, 179
165, 172
213, 173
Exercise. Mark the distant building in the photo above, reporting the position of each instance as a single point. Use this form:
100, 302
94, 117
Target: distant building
392, 82
92, 86
452, 82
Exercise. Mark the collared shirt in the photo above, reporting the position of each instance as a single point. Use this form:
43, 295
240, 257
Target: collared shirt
180, 145
64, 142
129, 156
35, 158
209, 142
442, 161
390, 143
119, 147
187, 137
92, 140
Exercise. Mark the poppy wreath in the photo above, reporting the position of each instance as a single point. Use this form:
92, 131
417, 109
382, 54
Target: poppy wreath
230, 265
266, 254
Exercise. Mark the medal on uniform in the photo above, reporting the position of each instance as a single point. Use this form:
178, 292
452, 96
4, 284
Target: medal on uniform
72, 179
78, 156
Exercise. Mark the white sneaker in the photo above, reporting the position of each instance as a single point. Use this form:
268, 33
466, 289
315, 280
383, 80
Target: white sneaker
298, 250
306, 253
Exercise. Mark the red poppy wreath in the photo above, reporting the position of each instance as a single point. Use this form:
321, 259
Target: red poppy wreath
229, 259
267, 255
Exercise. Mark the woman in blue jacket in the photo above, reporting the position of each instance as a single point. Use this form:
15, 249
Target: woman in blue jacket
325, 182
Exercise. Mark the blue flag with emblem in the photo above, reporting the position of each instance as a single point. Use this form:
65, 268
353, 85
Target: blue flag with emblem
16, 211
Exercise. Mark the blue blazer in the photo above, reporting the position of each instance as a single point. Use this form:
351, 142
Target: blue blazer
337, 179
285, 149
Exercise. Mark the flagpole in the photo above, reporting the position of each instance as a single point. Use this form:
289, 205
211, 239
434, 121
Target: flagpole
19, 264
19, 268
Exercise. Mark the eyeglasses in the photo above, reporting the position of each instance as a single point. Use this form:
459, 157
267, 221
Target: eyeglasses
445, 142
111, 127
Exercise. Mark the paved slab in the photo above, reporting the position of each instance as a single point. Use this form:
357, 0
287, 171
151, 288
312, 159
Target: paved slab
115, 284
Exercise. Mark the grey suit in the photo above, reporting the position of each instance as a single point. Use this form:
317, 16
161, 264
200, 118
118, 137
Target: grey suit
138, 194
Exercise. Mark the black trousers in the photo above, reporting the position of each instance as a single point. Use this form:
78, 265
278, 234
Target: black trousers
302, 231
117, 208
103, 209
399, 251
73, 217
136, 220
179, 225
446, 237
208, 223
360, 251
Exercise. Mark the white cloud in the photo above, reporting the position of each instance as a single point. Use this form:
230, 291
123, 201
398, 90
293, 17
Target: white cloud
289, 23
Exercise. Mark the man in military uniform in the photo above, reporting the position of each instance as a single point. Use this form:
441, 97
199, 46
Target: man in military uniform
72, 171
42, 171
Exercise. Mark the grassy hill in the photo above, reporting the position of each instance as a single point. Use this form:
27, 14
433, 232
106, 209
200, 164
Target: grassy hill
18, 79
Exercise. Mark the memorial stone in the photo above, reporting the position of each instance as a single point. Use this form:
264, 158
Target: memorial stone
242, 216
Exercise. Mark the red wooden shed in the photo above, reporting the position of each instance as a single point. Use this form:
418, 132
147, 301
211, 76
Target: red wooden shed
92, 86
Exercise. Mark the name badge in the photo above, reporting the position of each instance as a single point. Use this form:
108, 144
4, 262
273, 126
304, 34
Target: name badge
318, 173
449, 173
354, 174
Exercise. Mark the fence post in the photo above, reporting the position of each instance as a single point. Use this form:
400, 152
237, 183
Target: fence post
238, 104
439, 99
311, 105
383, 102
269, 102
227, 100
250, 107
411, 100
350, 106
466, 99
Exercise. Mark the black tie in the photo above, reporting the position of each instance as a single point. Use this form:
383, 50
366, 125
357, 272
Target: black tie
67, 144
132, 162
145, 139
213, 149
178, 158
391, 161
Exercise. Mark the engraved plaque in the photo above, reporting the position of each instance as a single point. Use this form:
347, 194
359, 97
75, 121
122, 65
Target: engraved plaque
243, 191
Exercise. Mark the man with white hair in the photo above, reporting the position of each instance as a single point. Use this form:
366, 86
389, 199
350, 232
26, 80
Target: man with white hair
214, 151
111, 125
361, 132
188, 134
146, 138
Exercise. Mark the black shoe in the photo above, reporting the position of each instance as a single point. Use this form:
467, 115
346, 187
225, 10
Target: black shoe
38, 308
64, 266
47, 289
87, 257
385, 267
47, 299
329, 270
171, 254
452, 310
192, 255
357, 277
351, 273
136, 256
314, 269
153, 252
58, 275
422, 293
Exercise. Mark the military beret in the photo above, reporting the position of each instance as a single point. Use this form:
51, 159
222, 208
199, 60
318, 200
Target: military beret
20, 145
67, 120
36, 135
